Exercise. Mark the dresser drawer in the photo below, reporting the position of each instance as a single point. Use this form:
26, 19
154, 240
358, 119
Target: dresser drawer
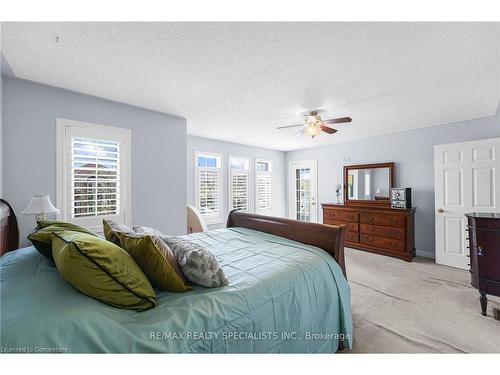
351, 227
386, 220
352, 237
396, 233
382, 242
341, 215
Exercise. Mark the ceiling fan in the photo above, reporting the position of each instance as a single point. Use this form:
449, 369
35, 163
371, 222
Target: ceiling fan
313, 125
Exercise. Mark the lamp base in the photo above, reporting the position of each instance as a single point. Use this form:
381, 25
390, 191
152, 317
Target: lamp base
40, 217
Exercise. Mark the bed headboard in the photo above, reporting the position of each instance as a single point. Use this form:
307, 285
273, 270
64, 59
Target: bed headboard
327, 237
9, 232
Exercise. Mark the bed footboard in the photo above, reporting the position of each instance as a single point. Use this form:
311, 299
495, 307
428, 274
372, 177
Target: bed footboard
327, 237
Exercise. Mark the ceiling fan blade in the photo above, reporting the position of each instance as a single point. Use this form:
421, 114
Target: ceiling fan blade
339, 120
289, 126
328, 130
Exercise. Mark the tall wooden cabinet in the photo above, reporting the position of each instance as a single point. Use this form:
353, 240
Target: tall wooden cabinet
484, 247
378, 229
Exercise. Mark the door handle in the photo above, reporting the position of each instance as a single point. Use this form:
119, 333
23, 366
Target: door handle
440, 210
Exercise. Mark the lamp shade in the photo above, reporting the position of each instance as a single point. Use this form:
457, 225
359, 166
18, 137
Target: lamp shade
39, 205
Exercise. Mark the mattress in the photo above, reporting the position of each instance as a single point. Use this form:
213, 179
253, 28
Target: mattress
282, 297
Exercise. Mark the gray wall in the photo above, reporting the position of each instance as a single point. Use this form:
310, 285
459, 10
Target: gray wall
158, 151
162, 154
278, 196
413, 152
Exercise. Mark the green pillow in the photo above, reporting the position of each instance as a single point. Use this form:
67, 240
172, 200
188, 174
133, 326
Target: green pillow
157, 261
42, 236
112, 230
101, 270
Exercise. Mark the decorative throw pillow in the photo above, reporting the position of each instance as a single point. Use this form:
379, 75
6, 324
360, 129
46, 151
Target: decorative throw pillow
112, 230
147, 230
141, 230
42, 236
101, 270
157, 261
197, 263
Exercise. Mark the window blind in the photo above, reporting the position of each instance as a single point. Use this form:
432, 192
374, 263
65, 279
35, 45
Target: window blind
239, 191
208, 195
263, 191
95, 177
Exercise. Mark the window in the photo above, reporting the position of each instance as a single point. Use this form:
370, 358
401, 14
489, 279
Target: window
93, 173
238, 183
263, 186
367, 185
208, 176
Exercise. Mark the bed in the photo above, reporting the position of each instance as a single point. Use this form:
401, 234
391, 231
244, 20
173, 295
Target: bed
287, 293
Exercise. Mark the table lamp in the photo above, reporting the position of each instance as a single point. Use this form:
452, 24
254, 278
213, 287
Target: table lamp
40, 206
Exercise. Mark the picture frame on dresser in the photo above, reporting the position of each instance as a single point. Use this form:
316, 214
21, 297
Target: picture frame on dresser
372, 225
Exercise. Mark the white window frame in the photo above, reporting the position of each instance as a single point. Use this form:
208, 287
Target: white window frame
65, 130
230, 180
208, 219
257, 173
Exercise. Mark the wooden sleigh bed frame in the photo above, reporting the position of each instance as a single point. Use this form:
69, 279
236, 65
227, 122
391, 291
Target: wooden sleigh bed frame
9, 232
327, 237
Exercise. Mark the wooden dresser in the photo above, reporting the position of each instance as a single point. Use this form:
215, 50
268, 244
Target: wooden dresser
381, 230
484, 247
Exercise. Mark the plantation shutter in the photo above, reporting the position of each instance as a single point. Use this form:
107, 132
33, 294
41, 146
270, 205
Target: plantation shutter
95, 177
208, 196
93, 173
239, 189
263, 192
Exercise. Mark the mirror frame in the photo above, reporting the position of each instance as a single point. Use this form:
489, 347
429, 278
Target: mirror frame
361, 202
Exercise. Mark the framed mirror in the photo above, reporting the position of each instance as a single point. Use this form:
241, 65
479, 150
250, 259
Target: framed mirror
368, 183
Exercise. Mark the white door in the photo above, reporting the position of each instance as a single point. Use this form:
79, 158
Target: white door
303, 193
467, 179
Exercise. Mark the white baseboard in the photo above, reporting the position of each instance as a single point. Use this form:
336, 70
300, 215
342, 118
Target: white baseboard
426, 254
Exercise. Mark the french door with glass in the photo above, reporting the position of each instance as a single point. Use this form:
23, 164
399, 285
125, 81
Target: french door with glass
303, 193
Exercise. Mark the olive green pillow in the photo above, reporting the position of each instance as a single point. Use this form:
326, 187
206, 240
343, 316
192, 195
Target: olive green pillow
157, 261
101, 270
41, 238
112, 229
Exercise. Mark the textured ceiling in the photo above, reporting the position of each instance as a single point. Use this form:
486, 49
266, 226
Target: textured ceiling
238, 81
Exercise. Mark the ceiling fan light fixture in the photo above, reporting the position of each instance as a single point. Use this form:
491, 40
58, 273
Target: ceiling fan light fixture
312, 130
310, 120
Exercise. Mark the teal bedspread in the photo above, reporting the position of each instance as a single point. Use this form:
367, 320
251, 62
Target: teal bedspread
282, 297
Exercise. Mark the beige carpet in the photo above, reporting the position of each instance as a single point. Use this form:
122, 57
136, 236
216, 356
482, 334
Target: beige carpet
417, 307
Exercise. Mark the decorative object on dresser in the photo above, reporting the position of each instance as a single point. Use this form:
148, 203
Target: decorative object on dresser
338, 188
484, 252
372, 224
401, 198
